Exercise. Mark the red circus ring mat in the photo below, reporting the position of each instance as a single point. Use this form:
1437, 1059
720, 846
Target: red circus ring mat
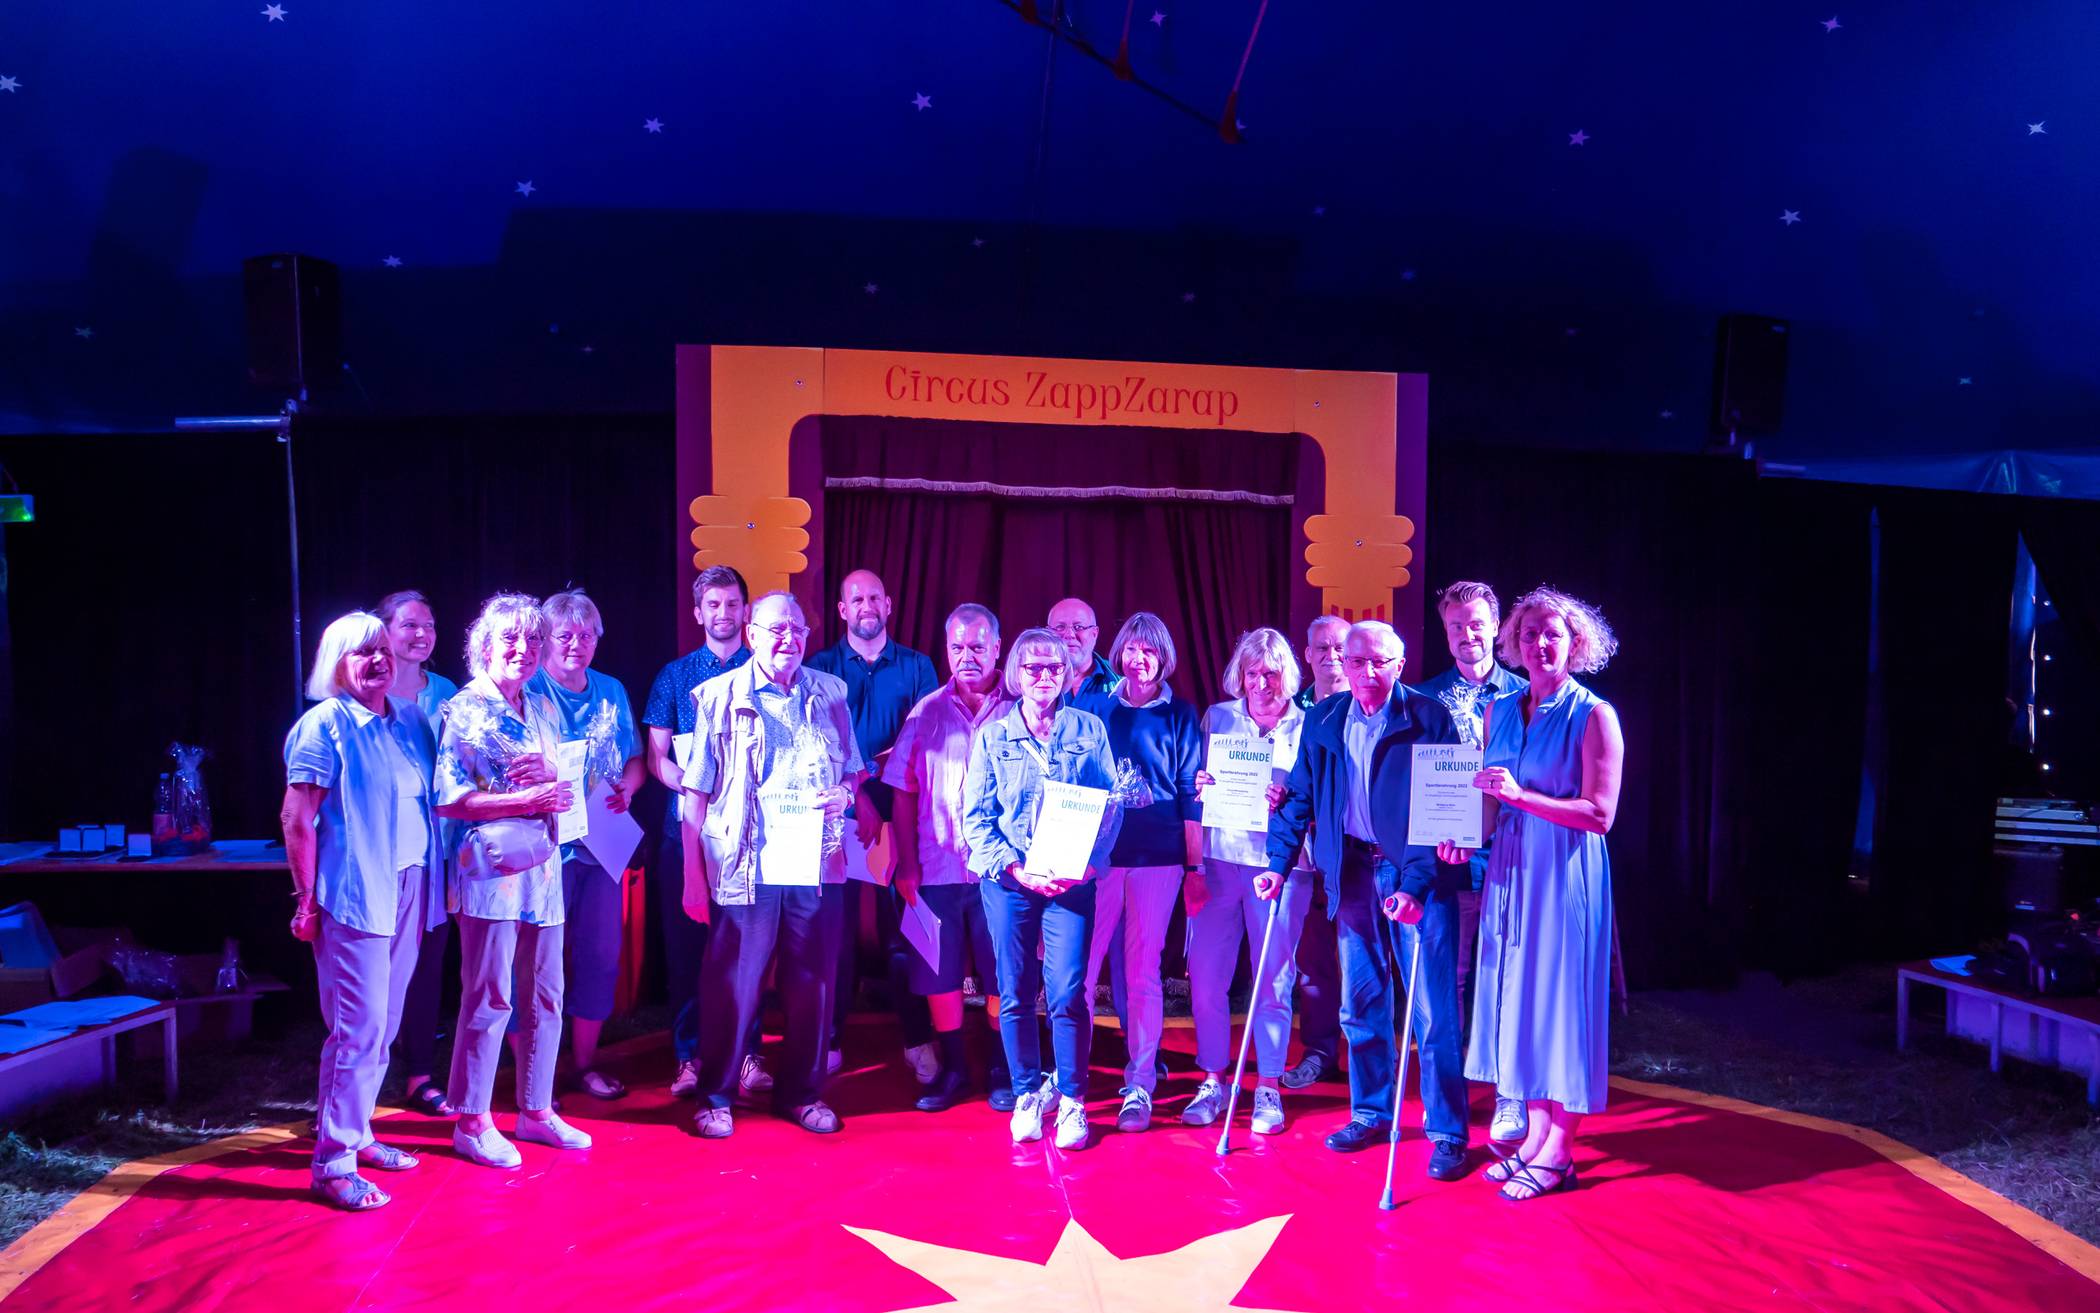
1687, 1202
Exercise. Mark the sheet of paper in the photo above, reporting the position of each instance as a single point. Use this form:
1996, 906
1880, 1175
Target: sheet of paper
791, 848
1240, 767
870, 864
574, 823
73, 1013
612, 836
1442, 804
1065, 830
21, 1039
682, 755
922, 930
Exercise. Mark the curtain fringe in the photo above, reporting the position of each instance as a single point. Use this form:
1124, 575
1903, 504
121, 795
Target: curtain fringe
1105, 492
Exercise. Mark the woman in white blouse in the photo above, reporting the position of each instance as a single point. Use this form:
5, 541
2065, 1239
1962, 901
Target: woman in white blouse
1234, 894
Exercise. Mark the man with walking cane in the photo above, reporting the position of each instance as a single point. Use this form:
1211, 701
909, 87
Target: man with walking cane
1350, 787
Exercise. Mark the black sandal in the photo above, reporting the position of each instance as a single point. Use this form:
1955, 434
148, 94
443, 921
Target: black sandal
429, 1100
1524, 1175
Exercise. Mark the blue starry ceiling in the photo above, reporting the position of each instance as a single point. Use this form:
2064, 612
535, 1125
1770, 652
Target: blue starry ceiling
1543, 206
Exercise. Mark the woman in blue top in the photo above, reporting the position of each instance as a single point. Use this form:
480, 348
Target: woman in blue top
411, 633
591, 706
1542, 1004
361, 841
1160, 735
1010, 759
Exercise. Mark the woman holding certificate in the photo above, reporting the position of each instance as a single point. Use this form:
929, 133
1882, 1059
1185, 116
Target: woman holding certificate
1250, 744
1038, 826
1542, 1004
1158, 734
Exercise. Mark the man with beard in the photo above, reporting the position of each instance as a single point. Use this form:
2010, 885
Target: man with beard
884, 681
1073, 621
719, 602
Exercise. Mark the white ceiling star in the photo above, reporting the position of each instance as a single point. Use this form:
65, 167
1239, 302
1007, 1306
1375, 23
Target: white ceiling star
1578, 137
590, 350
2037, 129
1831, 24
275, 13
922, 101
1962, 382
871, 288
392, 262
1669, 414
1319, 211
525, 188
1158, 19
652, 125
977, 241
1188, 298
9, 84
1790, 217
83, 333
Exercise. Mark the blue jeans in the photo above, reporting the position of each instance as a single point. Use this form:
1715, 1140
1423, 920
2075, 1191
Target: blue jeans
1362, 935
1064, 925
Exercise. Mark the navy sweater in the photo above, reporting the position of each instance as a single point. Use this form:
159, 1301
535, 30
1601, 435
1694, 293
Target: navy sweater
1165, 743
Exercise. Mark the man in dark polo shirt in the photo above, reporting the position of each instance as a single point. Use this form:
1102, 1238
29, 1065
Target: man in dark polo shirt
884, 681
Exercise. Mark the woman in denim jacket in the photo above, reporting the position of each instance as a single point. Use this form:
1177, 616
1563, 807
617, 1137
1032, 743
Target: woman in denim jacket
1002, 792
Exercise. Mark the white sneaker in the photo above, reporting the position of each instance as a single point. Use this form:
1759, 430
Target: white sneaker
1510, 1122
489, 1148
925, 1062
1136, 1113
752, 1079
553, 1132
1208, 1103
1268, 1110
833, 1060
686, 1082
1072, 1130
1029, 1111
714, 1123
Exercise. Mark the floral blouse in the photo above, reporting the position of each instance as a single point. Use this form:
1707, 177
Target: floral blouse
483, 738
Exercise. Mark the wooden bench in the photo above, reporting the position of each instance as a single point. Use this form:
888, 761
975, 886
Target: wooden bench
47, 1073
2080, 1015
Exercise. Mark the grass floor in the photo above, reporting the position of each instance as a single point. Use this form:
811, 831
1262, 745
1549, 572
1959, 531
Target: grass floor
1824, 1047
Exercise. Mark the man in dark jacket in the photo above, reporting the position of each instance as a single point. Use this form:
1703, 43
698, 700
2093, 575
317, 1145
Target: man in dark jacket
1350, 786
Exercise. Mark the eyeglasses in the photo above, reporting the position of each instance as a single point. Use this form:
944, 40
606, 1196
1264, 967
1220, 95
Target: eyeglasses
785, 633
574, 638
1071, 630
1038, 673
1368, 663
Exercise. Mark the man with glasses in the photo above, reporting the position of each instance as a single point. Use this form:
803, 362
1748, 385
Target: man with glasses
1349, 787
1073, 621
772, 742
884, 681
1319, 971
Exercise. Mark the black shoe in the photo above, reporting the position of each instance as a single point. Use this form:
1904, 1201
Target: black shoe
1358, 1135
1447, 1162
948, 1086
1310, 1068
1001, 1083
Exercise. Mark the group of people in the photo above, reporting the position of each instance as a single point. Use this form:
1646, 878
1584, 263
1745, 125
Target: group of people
412, 806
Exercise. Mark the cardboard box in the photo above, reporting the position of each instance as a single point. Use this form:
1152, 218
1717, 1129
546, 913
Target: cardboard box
25, 987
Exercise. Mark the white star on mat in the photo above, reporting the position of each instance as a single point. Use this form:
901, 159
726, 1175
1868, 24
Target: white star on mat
1790, 217
652, 125
83, 333
1158, 19
275, 13
392, 262
525, 188
1831, 24
1578, 137
1201, 1275
9, 84
921, 101
2037, 129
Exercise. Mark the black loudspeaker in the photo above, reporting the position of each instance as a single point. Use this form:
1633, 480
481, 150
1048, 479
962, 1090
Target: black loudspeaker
295, 323
1749, 376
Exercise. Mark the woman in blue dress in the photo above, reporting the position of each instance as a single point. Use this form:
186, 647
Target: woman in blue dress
1552, 766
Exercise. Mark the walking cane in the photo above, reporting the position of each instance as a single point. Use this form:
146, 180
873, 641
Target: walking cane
1239, 1069
1392, 1149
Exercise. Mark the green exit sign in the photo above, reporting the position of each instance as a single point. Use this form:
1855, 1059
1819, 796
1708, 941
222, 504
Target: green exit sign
17, 508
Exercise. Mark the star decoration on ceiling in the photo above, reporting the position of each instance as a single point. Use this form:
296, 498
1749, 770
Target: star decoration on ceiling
392, 262
1669, 414
1188, 298
1790, 217
1158, 19
977, 241
9, 84
2038, 129
652, 125
1578, 137
590, 350
922, 101
1831, 24
1319, 211
525, 188
1204, 1274
871, 288
83, 333
275, 13
1963, 381
1407, 275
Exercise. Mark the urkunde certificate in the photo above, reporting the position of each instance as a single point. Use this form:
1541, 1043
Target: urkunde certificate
791, 844
1241, 768
1065, 830
1442, 804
